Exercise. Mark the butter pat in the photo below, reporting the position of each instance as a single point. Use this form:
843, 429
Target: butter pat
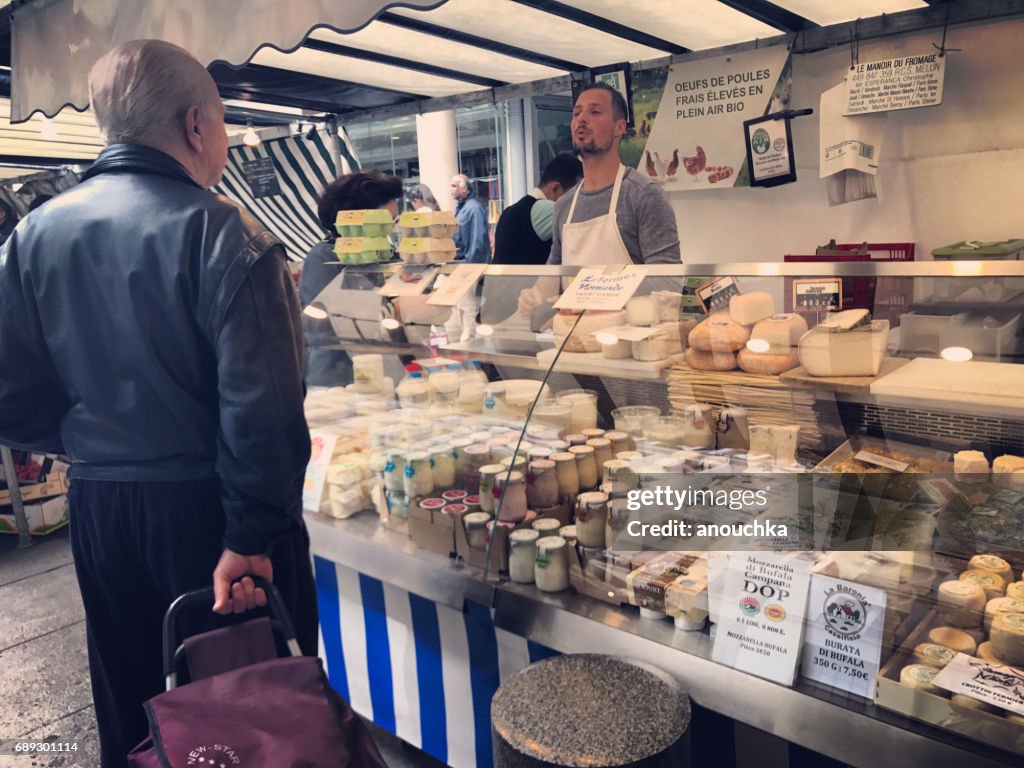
970, 466
750, 308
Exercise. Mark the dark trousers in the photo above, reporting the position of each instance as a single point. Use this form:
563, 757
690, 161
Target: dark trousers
137, 546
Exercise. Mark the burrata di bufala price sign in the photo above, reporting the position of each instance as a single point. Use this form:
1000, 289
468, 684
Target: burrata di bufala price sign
761, 618
695, 138
843, 644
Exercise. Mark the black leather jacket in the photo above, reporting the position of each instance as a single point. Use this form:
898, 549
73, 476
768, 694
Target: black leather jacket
150, 331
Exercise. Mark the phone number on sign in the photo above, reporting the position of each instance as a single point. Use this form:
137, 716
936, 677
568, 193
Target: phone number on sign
21, 747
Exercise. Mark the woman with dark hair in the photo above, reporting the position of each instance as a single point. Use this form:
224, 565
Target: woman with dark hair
8, 221
352, 192
422, 200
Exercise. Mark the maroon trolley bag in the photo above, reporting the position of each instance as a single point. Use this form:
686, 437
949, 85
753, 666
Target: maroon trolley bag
245, 707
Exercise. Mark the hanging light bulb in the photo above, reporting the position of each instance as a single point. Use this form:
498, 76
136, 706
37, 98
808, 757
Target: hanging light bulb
250, 137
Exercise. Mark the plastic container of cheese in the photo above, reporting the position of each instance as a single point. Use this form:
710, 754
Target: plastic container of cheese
856, 352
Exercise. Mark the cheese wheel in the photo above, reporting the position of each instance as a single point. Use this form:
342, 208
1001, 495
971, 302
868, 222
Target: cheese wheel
961, 602
1016, 590
993, 585
987, 653
920, 676
1004, 466
709, 361
999, 605
1007, 637
970, 467
685, 326
955, 639
993, 564
719, 333
767, 363
846, 319
969, 702
779, 332
750, 308
933, 655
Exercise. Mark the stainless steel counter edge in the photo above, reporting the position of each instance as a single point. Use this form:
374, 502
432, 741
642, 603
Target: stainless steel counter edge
572, 624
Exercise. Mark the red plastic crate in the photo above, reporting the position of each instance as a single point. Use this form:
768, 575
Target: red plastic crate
862, 292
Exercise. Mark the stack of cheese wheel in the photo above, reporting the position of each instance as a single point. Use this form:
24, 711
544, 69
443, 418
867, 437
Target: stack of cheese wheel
1009, 471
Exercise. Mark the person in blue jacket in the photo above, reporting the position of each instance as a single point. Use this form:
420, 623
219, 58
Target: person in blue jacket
472, 241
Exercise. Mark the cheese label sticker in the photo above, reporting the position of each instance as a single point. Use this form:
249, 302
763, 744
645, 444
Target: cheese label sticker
881, 461
1000, 686
715, 295
591, 289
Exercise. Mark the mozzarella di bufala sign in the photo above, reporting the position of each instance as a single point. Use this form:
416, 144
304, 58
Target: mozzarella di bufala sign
691, 136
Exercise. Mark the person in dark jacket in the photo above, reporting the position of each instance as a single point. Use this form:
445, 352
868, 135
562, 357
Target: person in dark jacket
352, 192
150, 331
524, 231
8, 221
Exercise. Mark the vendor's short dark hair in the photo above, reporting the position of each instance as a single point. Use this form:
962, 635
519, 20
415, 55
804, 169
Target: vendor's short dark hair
566, 169
355, 192
619, 109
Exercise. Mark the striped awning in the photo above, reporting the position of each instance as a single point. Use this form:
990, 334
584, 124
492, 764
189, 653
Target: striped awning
304, 164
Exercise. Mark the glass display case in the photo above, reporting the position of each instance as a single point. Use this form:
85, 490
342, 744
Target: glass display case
797, 486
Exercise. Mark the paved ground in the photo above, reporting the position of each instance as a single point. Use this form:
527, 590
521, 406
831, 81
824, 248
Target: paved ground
44, 673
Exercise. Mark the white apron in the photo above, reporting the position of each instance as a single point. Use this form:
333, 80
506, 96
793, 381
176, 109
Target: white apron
597, 242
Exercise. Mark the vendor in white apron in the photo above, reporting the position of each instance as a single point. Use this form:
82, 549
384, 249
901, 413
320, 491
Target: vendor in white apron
616, 216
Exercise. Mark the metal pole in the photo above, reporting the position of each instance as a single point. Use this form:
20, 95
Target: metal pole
24, 535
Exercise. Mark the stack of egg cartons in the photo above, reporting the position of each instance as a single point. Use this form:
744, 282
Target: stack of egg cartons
427, 237
363, 236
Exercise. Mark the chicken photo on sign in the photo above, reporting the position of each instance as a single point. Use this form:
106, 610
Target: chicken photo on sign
690, 116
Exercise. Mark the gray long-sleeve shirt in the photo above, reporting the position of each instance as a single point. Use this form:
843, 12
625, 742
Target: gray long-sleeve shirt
645, 218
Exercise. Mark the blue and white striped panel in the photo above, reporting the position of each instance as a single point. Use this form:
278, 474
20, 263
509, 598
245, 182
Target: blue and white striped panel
422, 670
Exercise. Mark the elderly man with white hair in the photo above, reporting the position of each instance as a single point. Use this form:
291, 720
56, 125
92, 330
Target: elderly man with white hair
150, 331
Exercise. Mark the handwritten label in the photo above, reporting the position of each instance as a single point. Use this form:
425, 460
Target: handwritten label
998, 685
763, 603
820, 295
714, 296
843, 642
262, 177
906, 83
591, 289
451, 288
881, 461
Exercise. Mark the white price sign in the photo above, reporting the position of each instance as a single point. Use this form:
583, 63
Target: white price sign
321, 450
904, 83
1000, 686
592, 289
761, 618
843, 643
451, 288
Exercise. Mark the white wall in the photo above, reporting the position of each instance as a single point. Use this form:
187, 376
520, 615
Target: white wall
947, 173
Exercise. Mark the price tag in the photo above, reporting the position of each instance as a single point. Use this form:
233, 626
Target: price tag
451, 288
592, 289
714, 296
881, 461
843, 642
761, 618
818, 295
321, 450
1000, 686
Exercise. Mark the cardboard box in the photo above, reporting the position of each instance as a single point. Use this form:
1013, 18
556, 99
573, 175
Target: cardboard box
499, 546
432, 530
56, 485
43, 518
937, 710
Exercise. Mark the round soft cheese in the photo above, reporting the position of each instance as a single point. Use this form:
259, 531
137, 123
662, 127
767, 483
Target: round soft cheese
933, 655
920, 676
719, 333
709, 361
1007, 637
1016, 590
987, 653
962, 603
955, 639
993, 585
767, 362
779, 332
998, 605
969, 702
992, 563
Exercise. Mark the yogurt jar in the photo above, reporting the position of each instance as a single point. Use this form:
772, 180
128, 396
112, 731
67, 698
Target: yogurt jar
541, 484
546, 526
522, 555
510, 496
594, 433
621, 441
477, 456
583, 408
476, 529
488, 483
591, 518
443, 466
567, 474
418, 476
394, 471
586, 466
602, 451
568, 532
633, 418
551, 568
